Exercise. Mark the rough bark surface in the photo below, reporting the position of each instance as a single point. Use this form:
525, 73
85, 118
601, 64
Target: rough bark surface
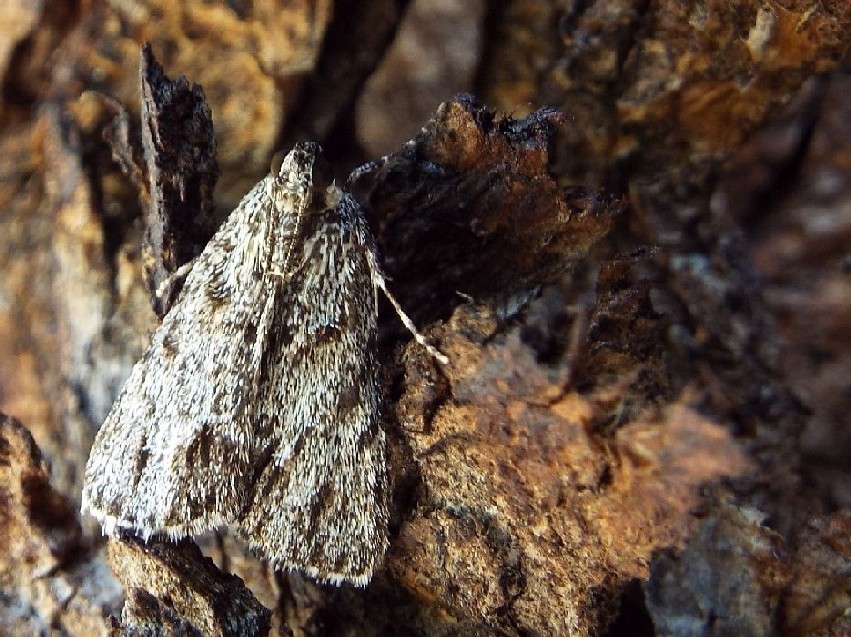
172, 589
51, 579
639, 274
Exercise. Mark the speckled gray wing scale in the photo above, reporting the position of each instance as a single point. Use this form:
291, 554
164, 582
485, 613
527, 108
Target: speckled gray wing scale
256, 406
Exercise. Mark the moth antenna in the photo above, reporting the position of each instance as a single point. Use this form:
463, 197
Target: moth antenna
291, 249
274, 171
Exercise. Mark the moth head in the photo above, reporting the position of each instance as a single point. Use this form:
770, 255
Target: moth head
296, 166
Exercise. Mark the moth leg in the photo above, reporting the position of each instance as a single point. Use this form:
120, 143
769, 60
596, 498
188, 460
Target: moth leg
167, 292
378, 281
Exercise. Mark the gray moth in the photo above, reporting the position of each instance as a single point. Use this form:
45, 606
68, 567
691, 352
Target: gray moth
256, 406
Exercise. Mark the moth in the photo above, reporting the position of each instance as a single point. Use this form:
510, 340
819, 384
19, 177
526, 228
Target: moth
256, 405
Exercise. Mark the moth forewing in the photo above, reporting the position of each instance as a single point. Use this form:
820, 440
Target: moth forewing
256, 406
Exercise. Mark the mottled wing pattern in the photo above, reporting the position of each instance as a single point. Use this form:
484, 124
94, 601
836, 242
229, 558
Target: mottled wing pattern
319, 500
256, 406
174, 452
